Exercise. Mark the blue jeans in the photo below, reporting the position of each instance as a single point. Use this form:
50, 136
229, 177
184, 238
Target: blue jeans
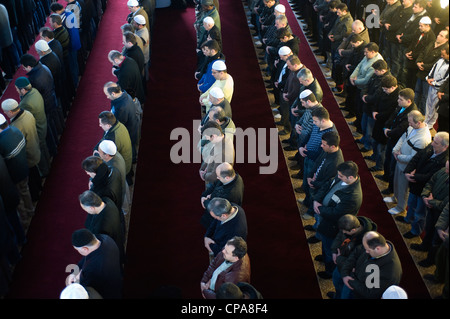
367, 123
379, 151
341, 293
416, 213
327, 253
421, 94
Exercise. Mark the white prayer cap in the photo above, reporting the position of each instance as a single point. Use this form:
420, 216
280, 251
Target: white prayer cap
133, 3
216, 92
9, 105
305, 93
284, 50
74, 291
2, 119
280, 8
108, 147
219, 65
140, 19
208, 20
425, 20
42, 46
394, 292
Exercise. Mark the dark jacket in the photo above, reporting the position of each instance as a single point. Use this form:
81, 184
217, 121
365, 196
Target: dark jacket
137, 55
221, 233
425, 167
417, 47
52, 62
438, 186
13, 150
397, 20
348, 243
328, 163
360, 265
108, 183
41, 78
373, 90
129, 76
398, 123
108, 222
341, 29
124, 110
101, 269
233, 191
385, 105
429, 57
347, 200
238, 272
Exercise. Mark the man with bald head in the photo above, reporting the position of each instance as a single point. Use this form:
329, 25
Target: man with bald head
229, 185
371, 268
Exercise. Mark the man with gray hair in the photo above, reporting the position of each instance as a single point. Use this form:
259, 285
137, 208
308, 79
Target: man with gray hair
418, 172
229, 221
127, 72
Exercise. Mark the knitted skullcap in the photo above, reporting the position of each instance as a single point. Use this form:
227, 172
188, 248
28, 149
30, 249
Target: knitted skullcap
22, 82
305, 93
2, 119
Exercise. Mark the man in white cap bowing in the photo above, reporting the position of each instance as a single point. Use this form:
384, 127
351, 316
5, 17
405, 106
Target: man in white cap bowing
107, 151
223, 80
26, 123
135, 10
51, 60
139, 23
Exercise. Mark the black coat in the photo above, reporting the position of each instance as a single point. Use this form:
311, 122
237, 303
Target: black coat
233, 191
347, 200
53, 63
385, 106
398, 123
129, 77
425, 167
137, 55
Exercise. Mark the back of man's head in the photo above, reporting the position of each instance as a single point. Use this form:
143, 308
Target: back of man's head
90, 199
28, 60
348, 168
219, 206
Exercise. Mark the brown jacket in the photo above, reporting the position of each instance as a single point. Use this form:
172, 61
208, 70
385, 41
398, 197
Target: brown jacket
238, 272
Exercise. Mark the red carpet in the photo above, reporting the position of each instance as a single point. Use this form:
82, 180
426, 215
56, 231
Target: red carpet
166, 240
42, 271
